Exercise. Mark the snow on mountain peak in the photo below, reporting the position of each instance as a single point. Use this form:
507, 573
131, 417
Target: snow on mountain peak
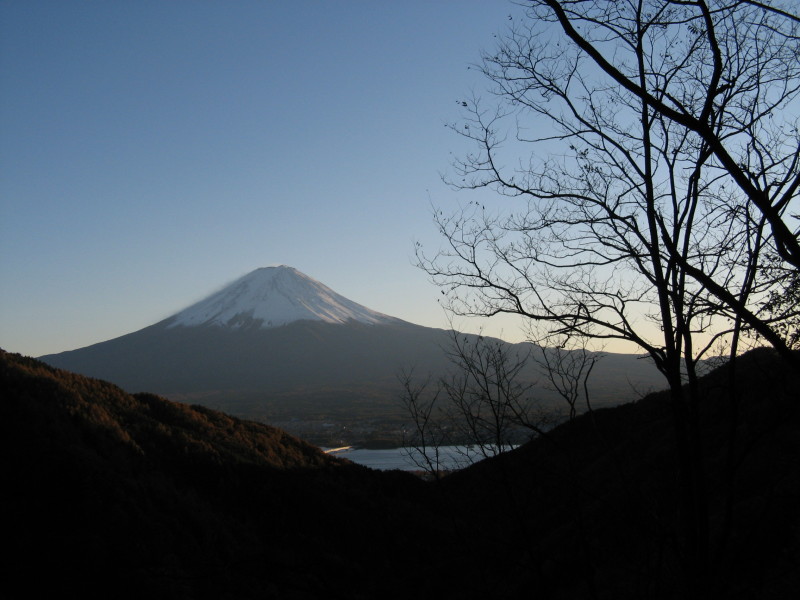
275, 296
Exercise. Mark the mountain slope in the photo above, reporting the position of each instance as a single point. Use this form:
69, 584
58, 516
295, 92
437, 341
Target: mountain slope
193, 360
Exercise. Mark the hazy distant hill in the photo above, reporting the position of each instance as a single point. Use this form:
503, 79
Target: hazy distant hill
109, 493
276, 344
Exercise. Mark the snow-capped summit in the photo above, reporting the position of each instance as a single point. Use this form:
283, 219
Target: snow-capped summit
275, 296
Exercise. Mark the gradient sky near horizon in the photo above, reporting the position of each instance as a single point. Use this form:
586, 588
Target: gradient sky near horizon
152, 152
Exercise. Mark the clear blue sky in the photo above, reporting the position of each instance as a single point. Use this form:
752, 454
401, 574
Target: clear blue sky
152, 151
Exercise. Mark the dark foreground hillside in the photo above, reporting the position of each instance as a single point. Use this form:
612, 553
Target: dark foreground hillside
593, 510
117, 495
109, 494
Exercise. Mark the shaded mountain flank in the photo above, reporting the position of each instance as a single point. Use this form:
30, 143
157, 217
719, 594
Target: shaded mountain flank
215, 364
136, 496
276, 345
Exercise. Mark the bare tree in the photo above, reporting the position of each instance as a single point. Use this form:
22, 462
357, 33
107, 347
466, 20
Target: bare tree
567, 365
429, 433
783, 301
725, 74
483, 408
649, 169
489, 404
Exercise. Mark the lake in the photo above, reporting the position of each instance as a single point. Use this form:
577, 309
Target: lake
451, 457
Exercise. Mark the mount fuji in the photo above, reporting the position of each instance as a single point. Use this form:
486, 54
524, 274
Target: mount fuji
274, 335
279, 346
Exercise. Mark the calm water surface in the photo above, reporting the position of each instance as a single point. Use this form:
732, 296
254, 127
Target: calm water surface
451, 457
